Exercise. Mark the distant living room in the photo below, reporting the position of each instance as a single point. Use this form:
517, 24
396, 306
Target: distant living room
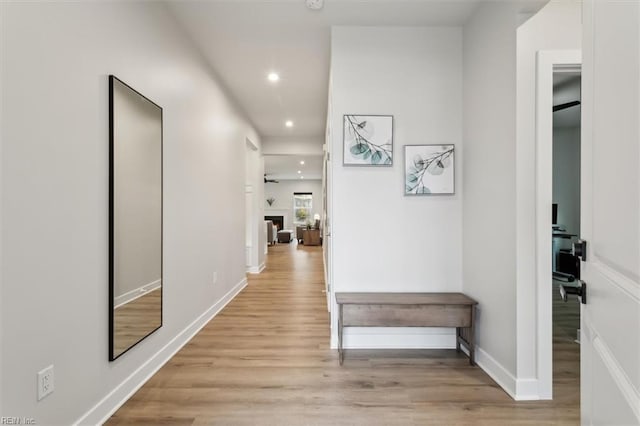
293, 211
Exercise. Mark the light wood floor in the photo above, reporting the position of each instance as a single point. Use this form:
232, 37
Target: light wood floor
265, 360
566, 316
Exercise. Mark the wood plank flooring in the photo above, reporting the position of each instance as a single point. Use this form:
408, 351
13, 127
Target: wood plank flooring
265, 360
566, 316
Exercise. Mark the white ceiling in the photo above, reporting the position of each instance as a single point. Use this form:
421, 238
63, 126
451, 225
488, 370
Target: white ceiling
243, 40
285, 167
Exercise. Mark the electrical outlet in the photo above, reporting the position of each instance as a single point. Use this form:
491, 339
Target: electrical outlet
45, 382
215, 277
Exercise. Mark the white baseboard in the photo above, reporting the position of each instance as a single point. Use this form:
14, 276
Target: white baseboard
256, 269
527, 390
135, 293
101, 412
397, 338
518, 389
496, 371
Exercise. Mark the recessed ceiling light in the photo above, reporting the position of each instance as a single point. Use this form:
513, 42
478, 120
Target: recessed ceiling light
273, 77
288, 123
302, 162
301, 177
299, 171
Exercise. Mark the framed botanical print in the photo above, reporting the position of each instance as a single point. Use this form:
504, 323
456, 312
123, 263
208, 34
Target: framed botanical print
368, 140
429, 169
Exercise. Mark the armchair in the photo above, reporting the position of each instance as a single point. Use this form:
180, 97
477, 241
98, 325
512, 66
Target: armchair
272, 232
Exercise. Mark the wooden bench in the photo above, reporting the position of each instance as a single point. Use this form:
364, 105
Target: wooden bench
409, 310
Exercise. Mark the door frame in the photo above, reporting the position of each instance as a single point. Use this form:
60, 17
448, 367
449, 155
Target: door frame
254, 214
548, 62
326, 223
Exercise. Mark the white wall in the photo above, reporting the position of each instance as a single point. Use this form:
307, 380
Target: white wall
293, 146
382, 240
283, 193
566, 177
499, 177
55, 63
489, 179
556, 27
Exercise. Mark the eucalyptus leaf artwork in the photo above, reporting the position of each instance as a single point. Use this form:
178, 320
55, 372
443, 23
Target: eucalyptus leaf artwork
429, 169
368, 140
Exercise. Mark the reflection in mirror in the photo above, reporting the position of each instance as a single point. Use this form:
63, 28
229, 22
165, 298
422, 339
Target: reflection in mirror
135, 217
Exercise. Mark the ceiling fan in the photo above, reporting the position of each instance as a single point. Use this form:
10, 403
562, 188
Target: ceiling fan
560, 107
270, 180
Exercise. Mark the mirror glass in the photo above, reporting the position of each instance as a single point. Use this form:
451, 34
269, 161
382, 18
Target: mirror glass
135, 217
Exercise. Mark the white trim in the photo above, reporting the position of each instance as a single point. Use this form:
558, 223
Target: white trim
496, 371
135, 293
518, 389
625, 385
527, 390
256, 269
546, 60
108, 405
397, 338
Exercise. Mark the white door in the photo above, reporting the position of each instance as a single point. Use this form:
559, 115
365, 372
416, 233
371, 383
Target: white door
610, 324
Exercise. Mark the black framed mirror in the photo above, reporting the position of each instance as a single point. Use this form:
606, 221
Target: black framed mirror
135, 217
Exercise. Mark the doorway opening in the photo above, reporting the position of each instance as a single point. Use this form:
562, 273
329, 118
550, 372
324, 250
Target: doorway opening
549, 63
565, 224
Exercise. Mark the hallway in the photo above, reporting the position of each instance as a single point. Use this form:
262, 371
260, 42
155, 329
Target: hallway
265, 360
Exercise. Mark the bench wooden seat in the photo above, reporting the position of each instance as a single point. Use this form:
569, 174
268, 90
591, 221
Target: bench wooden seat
409, 310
